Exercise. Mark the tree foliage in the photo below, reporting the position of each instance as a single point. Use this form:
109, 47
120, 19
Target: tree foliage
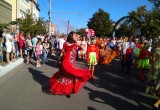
29, 25
156, 4
39, 27
3, 26
81, 31
101, 23
147, 21
123, 30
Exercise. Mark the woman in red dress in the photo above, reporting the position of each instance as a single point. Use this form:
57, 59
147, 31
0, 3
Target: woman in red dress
21, 43
70, 78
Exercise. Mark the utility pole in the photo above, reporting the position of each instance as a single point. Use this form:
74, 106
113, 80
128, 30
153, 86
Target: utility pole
68, 27
49, 17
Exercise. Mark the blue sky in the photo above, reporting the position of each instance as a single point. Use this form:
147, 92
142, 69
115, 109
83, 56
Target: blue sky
78, 12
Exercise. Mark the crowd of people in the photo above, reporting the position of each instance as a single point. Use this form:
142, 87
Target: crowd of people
136, 51
28, 46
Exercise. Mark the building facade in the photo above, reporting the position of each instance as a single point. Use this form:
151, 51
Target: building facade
22, 7
5, 12
34, 9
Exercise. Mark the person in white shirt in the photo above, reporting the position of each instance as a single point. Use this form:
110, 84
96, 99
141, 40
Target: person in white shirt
61, 42
129, 44
8, 44
13, 49
29, 48
125, 61
84, 45
42, 37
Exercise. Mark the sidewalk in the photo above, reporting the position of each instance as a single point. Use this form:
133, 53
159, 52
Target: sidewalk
8, 67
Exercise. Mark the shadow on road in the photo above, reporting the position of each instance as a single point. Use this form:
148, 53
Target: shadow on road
52, 61
122, 91
39, 77
90, 108
106, 98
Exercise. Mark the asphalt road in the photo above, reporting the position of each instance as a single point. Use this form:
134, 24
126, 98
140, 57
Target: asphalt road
25, 88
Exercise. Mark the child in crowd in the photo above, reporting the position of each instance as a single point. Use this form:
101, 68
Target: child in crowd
143, 62
38, 53
13, 51
92, 56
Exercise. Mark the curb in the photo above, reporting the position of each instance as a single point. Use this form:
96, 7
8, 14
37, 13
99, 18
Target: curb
5, 69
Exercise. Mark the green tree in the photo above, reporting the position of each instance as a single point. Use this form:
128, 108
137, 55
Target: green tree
148, 21
123, 30
156, 4
3, 26
29, 25
138, 18
152, 24
81, 31
101, 23
39, 27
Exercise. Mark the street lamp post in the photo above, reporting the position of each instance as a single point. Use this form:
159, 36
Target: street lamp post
68, 27
49, 17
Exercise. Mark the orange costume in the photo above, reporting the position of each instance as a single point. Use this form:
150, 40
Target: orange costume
105, 54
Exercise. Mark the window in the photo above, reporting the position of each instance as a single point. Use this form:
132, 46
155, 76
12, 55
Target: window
27, 0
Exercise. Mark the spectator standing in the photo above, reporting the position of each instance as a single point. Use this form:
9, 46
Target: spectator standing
57, 47
13, 49
52, 40
21, 44
8, 44
84, 45
28, 48
45, 50
41, 37
61, 42
34, 42
38, 53
16, 39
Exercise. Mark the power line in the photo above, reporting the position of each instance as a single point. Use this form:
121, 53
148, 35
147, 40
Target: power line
42, 8
87, 9
44, 4
62, 7
45, 12
66, 13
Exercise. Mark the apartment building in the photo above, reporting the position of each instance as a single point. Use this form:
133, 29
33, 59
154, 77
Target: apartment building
34, 9
5, 12
22, 7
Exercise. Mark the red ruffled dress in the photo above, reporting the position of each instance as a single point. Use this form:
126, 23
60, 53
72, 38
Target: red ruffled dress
72, 78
